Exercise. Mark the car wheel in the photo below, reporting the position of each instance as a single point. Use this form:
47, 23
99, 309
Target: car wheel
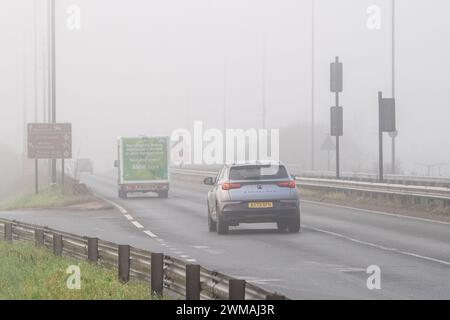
211, 223
282, 225
294, 224
221, 226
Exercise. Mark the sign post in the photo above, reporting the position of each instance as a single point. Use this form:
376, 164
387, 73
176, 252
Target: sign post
386, 123
328, 146
49, 141
36, 176
337, 112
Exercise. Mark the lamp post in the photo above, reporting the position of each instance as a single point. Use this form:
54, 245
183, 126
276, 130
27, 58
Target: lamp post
313, 38
393, 134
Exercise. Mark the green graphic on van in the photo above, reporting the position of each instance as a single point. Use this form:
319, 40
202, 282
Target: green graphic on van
144, 159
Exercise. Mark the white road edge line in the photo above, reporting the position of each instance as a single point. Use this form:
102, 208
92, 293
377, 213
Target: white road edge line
140, 226
377, 212
119, 207
137, 225
377, 246
150, 234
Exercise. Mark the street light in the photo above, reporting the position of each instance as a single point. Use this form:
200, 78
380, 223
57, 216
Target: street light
313, 36
393, 134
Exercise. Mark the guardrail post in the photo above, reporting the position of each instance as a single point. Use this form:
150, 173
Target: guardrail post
236, 289
39, 238
57, 244
124, 263
157, 274
193, 282
8, 231
92, 249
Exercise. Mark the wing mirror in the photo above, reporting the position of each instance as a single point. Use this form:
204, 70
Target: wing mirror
116, 164
209, 181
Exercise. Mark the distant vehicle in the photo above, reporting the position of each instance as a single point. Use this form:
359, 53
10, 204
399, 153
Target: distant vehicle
84, 166
143, 165
253, 193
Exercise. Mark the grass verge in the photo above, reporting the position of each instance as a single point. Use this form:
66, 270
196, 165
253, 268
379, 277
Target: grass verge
47, 198
27, 273
422, 209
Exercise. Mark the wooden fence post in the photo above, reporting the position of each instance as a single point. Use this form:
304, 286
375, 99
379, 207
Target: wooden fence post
236, 289
39, 238
93, 250
157, 274
193, 282
124, 263
57, 244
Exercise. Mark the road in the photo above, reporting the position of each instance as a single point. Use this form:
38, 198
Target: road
327, 260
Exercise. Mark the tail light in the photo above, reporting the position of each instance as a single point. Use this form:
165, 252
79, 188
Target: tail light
229, 186
288, 184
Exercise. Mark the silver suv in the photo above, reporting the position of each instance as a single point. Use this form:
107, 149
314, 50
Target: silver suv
257, 192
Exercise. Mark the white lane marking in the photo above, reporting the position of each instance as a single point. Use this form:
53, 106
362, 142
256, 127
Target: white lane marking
150, 234
184, 256
118, 206
147, 232
377, 246
378, 212
201, 247
137, 225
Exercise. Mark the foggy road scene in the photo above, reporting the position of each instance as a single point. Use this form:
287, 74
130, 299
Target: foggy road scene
224, 150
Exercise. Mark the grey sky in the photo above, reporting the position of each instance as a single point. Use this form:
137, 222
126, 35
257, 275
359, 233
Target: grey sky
147, 67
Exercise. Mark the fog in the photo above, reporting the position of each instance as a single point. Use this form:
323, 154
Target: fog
146, 67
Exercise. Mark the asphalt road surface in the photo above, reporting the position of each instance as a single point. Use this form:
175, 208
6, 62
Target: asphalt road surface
327, 260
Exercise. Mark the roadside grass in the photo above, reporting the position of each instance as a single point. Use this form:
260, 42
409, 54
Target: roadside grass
47, 198
28, 273
429, 207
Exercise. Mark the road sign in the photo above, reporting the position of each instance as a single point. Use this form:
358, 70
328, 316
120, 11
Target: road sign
337, 71
337, 119
328, 144
387, 115
49, 141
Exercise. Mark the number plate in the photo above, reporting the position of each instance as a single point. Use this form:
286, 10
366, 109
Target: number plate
260, 205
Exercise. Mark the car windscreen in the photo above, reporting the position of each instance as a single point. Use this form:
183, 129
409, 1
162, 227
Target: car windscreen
269, 172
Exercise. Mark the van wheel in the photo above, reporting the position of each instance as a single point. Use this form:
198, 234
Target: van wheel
221, 226
163, 194
122, 194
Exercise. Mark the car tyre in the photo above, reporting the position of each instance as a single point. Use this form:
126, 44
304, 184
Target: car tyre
212, 226
282, 225
221, 226
294, 224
